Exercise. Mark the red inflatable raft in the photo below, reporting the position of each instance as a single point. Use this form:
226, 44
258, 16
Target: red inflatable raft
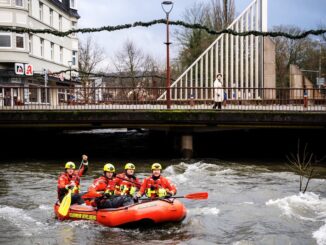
145, 213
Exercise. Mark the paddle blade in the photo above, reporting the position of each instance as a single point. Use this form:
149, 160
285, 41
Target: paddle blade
198, 195
65, 204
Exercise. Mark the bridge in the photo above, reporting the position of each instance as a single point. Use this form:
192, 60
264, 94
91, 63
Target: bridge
251, 99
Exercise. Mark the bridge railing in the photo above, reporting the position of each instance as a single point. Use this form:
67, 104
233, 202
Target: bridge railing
127, 98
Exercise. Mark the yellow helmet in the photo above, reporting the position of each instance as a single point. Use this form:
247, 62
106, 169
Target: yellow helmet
70, 165
130, 166
156, 166
109, 168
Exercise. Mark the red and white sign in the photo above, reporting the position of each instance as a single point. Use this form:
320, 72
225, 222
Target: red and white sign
19, 69
28, 70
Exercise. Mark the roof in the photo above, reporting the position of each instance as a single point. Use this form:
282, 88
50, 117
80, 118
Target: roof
65, 6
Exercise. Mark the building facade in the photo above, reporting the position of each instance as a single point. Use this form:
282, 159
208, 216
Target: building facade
29, 60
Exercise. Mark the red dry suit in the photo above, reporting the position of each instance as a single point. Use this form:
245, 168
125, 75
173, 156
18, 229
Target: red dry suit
156, 187
104, 184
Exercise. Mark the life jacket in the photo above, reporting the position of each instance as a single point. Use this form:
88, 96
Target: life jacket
127, 185
66, 179
156, 187
104, 184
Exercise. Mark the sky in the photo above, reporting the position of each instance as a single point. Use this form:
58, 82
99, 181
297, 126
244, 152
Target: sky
307, 14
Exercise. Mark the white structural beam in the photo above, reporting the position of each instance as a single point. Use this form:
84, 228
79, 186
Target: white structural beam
239, 59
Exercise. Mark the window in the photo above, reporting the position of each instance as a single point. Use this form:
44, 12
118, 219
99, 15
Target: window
41, 11
51, 17
20, 3
74, 58
73, 4
5, 40
33, 93
52, 51
60, 22
20, 41
61, 55
42, 47
4, 2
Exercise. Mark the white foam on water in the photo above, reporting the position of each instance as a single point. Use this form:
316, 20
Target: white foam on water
19, 218
308, 206
183, 172
204, 211
303, 206
45, 207
320, 235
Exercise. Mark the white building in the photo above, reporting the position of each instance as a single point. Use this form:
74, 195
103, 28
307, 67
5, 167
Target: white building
37, 52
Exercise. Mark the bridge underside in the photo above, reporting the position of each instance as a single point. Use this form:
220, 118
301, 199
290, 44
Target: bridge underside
193, 121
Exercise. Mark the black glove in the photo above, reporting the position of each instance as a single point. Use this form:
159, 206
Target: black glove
70, 187
107, 195
135, 198
168, 195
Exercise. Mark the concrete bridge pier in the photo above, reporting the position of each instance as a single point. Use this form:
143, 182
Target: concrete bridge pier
187, 146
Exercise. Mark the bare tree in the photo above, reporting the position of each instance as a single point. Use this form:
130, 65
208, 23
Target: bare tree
132, 62
301, 163
289, 51
90, 57
216, 15
221, 16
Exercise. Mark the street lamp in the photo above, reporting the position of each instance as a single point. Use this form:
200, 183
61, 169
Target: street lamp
167, 7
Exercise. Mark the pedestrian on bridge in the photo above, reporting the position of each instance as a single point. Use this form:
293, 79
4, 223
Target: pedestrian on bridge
218, 92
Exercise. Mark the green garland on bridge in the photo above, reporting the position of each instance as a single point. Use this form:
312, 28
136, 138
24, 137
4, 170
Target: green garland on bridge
102, 74
162, 21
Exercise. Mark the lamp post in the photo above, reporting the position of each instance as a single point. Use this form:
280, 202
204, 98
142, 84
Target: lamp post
167, 7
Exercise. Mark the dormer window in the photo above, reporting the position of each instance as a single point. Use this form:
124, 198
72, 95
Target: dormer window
73, 4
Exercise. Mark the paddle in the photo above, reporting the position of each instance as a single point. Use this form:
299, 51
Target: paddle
194, 196
65, 204
66, 201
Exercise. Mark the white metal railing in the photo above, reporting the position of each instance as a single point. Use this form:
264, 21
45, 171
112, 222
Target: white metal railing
146, 98
238, 59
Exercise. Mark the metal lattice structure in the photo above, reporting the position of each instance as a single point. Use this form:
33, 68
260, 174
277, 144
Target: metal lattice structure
238, 59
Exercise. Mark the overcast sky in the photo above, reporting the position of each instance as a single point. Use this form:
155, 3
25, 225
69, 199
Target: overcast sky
307, 14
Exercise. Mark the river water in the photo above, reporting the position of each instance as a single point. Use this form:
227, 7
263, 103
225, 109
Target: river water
249, 203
